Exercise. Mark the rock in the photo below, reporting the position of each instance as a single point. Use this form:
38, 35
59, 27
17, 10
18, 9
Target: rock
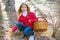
47, 35
44, 38
18, 36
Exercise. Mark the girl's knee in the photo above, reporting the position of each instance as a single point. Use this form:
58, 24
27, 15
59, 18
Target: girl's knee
19, 24
28, 31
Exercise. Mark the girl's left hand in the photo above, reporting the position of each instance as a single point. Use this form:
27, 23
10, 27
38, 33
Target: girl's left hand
29, 20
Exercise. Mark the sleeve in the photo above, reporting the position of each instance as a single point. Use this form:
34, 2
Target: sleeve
14, 28
20, 19
33, 17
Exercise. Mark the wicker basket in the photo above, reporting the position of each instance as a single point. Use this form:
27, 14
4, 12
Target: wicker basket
41, 25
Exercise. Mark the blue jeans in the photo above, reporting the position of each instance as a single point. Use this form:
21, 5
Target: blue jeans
26, 29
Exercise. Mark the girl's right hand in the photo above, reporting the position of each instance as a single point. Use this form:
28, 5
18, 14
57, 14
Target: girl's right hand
10, 31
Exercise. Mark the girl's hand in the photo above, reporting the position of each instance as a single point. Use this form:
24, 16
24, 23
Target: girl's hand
29, 20
10, 31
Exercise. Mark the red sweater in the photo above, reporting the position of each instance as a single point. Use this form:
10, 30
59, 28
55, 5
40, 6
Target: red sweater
25, 20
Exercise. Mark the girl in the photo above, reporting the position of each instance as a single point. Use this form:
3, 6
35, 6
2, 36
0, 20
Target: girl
25, 21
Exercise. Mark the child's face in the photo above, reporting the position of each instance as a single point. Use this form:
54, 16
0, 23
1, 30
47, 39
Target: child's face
24, 8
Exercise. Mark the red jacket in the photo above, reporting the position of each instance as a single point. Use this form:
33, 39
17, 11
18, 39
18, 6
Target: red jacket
25, 20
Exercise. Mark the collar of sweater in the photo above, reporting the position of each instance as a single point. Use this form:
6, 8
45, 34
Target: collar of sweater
24, 13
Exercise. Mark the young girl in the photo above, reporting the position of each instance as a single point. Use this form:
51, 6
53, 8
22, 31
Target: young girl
25, 21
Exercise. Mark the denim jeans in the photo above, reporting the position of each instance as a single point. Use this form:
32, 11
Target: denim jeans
26, 29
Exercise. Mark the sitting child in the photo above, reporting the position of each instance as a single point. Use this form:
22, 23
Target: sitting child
25, 21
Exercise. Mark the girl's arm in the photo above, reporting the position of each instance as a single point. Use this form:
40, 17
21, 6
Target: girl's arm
33, 17
15, 27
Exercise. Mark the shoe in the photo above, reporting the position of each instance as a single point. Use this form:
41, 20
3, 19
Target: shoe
31, 37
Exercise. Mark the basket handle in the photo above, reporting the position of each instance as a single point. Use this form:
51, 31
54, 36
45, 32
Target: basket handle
43, 18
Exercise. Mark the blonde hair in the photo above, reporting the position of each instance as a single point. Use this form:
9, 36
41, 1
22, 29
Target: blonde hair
19, 10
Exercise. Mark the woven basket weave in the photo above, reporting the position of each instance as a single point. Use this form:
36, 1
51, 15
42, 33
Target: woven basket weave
40, 25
